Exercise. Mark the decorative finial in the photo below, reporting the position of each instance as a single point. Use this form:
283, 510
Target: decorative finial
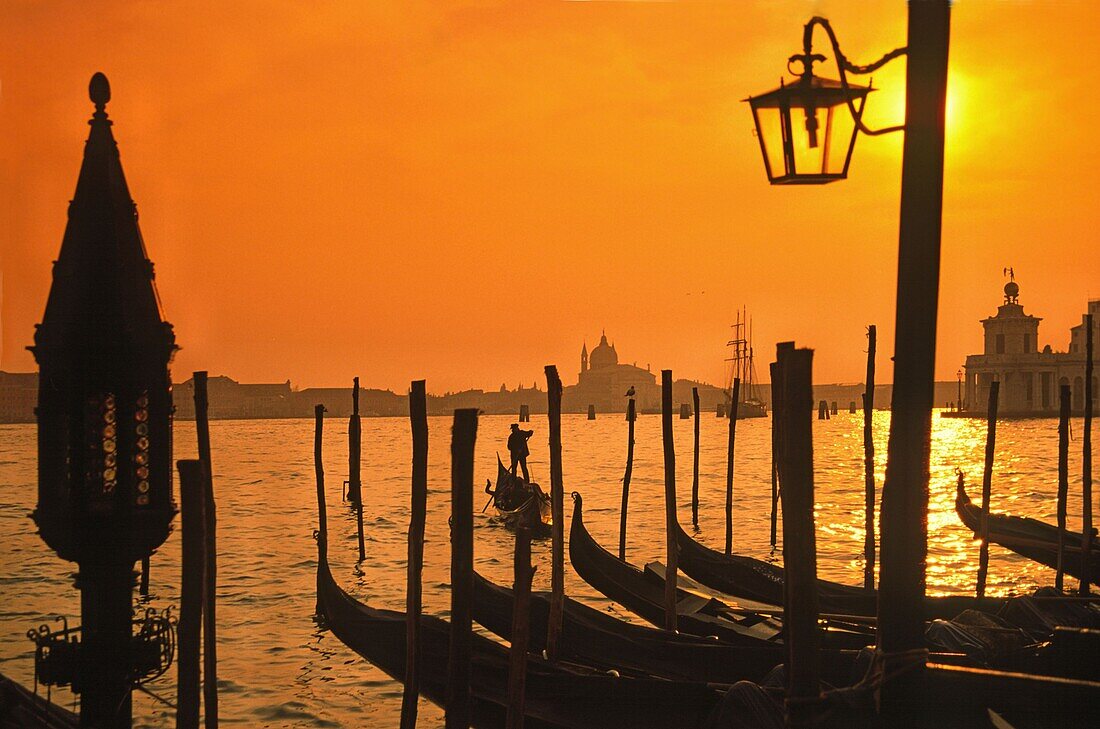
99, 90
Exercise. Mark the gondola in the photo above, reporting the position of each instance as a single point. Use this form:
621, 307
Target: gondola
594, 638
1031, 538
696, 614
21, 709
557, 695
520, 503
753, 579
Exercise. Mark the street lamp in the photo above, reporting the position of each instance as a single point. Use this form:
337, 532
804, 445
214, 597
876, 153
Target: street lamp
959, 399
104, 416
903, 516
814, 145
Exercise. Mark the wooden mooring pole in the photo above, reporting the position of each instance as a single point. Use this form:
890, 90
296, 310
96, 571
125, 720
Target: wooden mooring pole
319, 473
987, 486
355, 455
776, 395
869, 462
671, 552
418, 420
521, 628
1086, 466
630, 418
799, 543
192, 526
355, 440
463, 438
557, 515
210, 576
1064, 406
695, 461
729, 466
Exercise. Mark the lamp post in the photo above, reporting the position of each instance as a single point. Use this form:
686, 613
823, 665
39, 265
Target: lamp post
104, 417
904, 514
959, 396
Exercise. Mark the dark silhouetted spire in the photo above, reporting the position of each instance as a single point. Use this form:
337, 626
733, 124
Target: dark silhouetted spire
103, 286
103, 350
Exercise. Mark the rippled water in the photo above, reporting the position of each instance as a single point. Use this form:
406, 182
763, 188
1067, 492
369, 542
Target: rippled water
277, 668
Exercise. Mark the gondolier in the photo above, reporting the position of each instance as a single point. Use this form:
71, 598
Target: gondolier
517, 447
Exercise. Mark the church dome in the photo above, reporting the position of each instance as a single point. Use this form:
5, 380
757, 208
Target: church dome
603, 355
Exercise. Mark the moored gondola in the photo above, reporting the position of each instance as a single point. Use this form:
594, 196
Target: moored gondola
697, 614
21, 709
1031, 538
557, 695
594, 638
753, 579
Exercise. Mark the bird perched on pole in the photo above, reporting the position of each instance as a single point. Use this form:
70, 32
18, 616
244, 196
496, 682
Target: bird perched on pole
630, 392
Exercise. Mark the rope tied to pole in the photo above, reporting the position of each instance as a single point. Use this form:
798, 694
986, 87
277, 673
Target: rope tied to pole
885, 667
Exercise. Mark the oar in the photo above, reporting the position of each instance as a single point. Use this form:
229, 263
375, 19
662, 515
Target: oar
488, 486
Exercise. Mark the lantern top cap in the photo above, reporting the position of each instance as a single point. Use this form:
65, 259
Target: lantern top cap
99, 90
825, 92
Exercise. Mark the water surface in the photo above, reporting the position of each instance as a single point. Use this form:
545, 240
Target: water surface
278, 668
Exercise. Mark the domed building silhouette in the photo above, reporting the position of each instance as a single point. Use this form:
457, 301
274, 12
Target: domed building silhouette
603, 382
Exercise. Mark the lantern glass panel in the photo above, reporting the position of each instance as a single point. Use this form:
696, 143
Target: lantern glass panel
806, 131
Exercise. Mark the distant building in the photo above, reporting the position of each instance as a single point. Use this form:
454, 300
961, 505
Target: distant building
1030, 378
228, 398
603, 382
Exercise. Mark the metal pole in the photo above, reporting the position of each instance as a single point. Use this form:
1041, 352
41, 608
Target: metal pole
1087, 578
904, 515
104, 671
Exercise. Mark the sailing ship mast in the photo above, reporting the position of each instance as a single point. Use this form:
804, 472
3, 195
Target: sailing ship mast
741, 366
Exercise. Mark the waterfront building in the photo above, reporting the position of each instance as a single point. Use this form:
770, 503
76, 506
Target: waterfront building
603, 382
1030, 377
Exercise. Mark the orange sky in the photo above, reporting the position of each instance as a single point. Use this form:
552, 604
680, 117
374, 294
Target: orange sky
466, 191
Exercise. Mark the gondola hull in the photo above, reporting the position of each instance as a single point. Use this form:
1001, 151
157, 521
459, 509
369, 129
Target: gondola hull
1031, 538
696, 614
556, 695
594, 638
532, 512
754, 579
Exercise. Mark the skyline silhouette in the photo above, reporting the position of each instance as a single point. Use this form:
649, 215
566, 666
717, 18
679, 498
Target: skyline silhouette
458, 193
